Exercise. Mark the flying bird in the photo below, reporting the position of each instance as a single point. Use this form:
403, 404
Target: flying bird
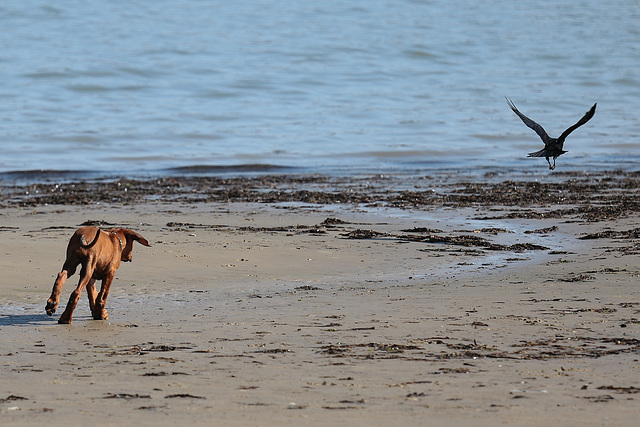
552, 146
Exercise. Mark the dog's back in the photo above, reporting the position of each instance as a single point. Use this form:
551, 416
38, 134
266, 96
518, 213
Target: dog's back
88, 236
83, 240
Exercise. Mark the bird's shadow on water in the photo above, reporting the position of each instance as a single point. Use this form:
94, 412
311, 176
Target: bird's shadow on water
24, 319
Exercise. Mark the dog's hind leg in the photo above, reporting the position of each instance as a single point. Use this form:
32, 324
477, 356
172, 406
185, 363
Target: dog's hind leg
85, 278
52, 303
91, 293
99, 311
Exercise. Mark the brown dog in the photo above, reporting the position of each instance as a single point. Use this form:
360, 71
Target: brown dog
100, 253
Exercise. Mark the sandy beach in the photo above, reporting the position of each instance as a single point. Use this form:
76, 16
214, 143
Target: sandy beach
320, 301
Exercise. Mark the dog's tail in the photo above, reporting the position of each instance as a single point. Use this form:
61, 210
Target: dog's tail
92, 244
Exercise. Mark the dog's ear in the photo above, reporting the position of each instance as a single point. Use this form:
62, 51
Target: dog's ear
135, 236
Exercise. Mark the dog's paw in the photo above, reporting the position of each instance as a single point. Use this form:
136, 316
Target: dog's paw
100, 315
50, 308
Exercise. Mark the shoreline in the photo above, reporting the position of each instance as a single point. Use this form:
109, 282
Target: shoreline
397, 304
591, 192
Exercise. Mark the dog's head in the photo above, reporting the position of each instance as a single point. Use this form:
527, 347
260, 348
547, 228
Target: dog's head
130, 236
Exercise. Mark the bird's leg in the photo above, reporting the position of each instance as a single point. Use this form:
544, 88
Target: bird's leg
554, 164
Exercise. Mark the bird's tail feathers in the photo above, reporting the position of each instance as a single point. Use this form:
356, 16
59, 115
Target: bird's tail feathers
541, 153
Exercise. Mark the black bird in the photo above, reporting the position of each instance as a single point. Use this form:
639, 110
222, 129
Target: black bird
552, 146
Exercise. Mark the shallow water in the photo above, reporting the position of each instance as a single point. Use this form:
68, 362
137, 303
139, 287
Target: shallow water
409, 85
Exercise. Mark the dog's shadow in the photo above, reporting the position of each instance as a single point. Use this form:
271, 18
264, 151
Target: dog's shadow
24, 320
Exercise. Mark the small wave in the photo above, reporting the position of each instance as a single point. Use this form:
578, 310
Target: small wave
88, 88
217, 94
46, 175
244, 168
626, 81
420, 54
48, 75
22, 177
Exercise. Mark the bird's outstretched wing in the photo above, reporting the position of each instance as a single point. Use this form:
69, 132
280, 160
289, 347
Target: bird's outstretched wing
582, 121
533, 125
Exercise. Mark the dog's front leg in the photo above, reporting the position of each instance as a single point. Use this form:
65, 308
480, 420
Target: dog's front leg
54, 299
68, 270
99, 310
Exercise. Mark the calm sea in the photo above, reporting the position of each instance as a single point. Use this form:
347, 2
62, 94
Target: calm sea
172, 86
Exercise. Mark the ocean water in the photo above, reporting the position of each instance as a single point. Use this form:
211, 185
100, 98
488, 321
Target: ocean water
173, 86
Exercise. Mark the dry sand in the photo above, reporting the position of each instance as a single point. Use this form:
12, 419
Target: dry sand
270, 314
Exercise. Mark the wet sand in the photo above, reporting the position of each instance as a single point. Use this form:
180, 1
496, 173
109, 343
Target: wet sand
325, 301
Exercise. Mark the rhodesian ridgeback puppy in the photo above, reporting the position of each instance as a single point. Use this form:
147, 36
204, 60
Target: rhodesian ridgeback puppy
99, 252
